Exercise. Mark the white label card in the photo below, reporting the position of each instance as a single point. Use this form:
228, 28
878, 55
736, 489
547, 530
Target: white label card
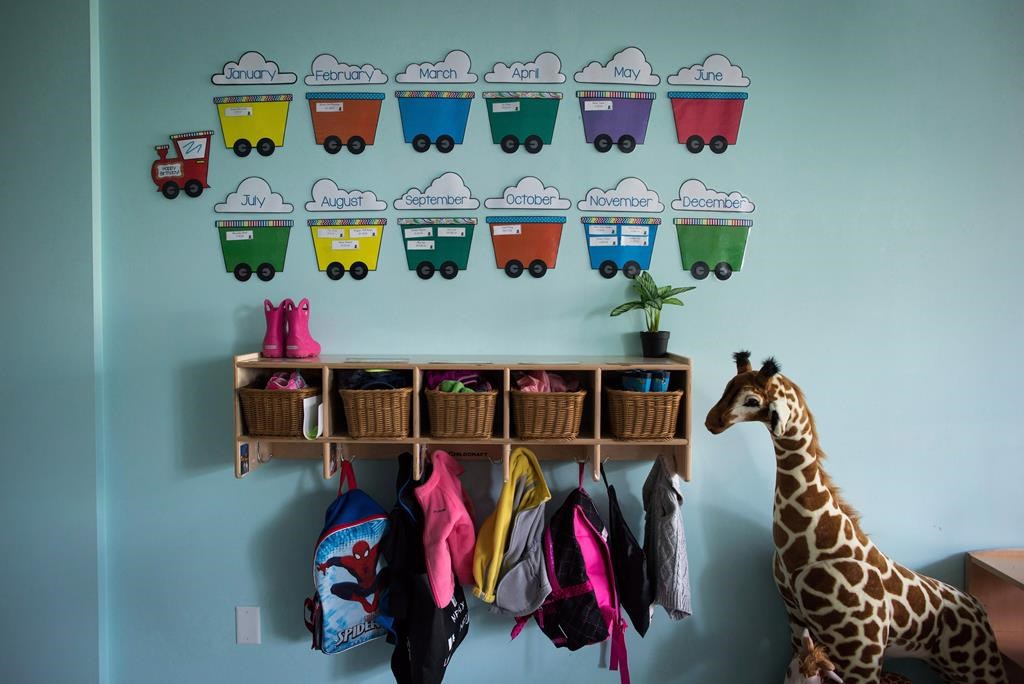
330, 232
502, 107
418, 232
511, 229
168, 171
233, 235
451, 231
238, 111
604, 241
420, 244
597, 105
598, 229
344, 244
362, 232
634, 230
634, 241
330, 106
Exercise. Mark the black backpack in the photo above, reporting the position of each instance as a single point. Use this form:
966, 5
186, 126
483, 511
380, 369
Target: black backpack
636, 595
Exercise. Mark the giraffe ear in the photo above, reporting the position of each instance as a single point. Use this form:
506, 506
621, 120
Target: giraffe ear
778, 420
742, 359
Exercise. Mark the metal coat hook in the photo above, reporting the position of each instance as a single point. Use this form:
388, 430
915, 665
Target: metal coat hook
259, 453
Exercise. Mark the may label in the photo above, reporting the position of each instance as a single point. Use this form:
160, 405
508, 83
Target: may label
168, 170
501, 107
418, 232
634, 230
238, 111
603, 241
330, 106
634, 241
597, 106
330, 232
597, 229
362, 232
233, 235
420, 244
451, 231
512, 229
344, 244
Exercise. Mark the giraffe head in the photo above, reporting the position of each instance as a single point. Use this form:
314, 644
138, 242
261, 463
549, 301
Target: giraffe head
761, 395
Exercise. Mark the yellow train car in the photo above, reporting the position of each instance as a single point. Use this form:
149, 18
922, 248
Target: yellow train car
248, 121
351, 245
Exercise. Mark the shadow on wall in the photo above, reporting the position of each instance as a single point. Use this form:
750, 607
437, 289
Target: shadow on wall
205, 420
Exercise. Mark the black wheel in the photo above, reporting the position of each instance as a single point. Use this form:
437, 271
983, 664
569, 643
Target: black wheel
723, 270
695, 143
170, 189
332, 144
603, 143
445, 144
718, 144
243, 272
193, 188
509, 144
449, 270
356, 145
538, 268
627, 144
335, 270
514, 268
242, 147
265, 147
533, 144
631, 269
608, 269
421, 143
265, 272
425, 270
358, 270
699, 270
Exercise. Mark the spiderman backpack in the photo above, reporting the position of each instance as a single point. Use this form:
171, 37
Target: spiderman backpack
347, 577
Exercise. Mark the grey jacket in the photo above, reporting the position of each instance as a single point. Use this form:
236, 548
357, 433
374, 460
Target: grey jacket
665, 540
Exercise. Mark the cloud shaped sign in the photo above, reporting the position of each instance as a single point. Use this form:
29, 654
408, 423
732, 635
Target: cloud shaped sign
716, 70
630, 195
545, 68
447, 191
327, 70
327, 196
529, 193
695, 196
252, 68
253, 196
454, 68
628, 67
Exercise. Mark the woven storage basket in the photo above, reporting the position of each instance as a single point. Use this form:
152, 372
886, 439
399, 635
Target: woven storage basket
643, 415
547, 415
377, 412
461, 414
274, 412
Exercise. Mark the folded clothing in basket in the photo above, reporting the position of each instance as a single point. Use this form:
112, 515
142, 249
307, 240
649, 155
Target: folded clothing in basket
542, 381
283, 380
457, 381
377, 378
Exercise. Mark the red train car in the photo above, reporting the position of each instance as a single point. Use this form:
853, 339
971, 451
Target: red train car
189, 170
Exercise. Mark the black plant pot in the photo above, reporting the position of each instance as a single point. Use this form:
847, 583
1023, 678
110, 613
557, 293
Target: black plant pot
655, 344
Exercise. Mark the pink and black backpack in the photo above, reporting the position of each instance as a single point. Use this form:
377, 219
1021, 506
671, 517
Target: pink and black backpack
583, 607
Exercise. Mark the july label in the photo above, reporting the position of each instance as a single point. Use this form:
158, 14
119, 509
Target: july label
330, 106
420, 244
418, 232
597, 106
344, 244
628, 241
362, 232
501, 107
634, 230
238, 111
603, 241
330, 232
233, 235
458, 231
168, 171
513, 229
596, 229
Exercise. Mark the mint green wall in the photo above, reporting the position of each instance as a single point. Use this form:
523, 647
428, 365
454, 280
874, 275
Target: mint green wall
882, 145
48, 492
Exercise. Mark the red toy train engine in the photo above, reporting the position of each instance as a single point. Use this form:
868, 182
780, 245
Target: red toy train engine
189, 170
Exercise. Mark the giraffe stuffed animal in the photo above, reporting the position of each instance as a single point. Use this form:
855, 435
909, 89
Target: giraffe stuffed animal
833, 580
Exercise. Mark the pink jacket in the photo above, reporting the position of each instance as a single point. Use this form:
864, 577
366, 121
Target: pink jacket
448, 535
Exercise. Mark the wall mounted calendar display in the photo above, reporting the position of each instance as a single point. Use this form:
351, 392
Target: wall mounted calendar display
351, 245
437, 244
705, 117
447, 191
258, 246
327, 196
617, 117
188, 170
527, 243
711, 244
253, 196
327, 70
248, 121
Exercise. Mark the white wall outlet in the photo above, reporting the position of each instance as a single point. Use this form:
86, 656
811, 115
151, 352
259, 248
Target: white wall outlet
247, 625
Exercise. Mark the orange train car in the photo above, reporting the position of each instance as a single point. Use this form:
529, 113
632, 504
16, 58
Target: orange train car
526, 243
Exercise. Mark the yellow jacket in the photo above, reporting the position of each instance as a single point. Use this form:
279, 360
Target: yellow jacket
525, 490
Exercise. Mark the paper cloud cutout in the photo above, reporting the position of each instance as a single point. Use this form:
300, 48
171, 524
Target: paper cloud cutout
630, 195
327, 70
716, 70
252, 68
629, 67
447, 191
545, 68
253, 196
454, 68
327, 196
695, 196
529, 193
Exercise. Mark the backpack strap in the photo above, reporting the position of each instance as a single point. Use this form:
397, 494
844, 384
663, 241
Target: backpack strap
581, 474
347, 475
619, 659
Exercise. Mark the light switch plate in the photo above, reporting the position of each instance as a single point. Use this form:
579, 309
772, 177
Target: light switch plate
247, 625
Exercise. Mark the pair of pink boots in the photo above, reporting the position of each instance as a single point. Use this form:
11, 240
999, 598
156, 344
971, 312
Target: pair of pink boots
288, 331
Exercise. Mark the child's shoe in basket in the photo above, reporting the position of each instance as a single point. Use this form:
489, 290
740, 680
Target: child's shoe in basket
300, 344
273, 340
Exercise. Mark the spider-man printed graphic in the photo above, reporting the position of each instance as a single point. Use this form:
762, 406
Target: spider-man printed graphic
362, 564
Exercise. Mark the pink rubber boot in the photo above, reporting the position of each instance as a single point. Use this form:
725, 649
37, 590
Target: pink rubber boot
273, 340
300, 344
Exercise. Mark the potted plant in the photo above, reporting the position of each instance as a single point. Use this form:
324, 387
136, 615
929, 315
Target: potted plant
652, 299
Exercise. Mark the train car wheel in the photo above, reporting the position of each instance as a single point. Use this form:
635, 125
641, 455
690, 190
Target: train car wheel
444, 144
449, 270
356, 145
533, 144
509, 144
332, 145
265, 147
631, 269
335, 270
193, 188
425, 270
514, 268
421, 143
170, 189
723, 270
265, 272
627, 144
695, 143
608, 269
718, 144
603, 143
538, 268
358, 270
243, 272
242, 147
699, 270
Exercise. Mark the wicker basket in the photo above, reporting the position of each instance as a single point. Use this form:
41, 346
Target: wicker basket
547, 415
275, 413
377, 412
643, 415
461, 414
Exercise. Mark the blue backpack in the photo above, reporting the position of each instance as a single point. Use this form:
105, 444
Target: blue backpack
347, 574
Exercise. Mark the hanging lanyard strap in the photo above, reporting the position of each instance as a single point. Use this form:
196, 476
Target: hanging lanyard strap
347, 475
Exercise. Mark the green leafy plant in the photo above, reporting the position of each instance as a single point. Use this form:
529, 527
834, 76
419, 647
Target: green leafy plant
652, 299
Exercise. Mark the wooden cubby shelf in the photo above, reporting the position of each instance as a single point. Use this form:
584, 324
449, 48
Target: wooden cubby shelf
594, 444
